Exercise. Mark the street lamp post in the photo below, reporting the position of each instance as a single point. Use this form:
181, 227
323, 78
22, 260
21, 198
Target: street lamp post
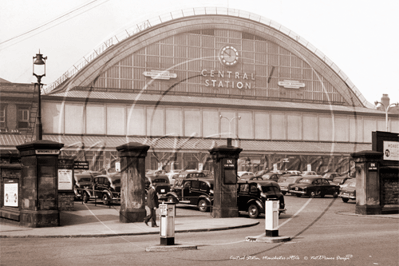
39, 71
386, 108
230, 120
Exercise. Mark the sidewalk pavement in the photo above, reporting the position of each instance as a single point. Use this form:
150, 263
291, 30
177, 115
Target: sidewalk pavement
99, 221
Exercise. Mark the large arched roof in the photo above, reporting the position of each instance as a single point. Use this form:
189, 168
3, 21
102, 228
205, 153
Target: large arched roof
133, 39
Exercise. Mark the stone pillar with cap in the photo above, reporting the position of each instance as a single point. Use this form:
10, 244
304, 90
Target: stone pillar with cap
132, 156
368, 200
225, 187
39, 191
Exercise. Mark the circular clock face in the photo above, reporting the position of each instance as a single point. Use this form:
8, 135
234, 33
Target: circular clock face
228, 55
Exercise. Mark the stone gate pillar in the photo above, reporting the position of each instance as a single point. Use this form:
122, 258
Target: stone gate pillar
132, 156
367, 163
39, 187
225, 172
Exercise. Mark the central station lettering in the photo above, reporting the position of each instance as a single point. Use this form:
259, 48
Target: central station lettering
240, 80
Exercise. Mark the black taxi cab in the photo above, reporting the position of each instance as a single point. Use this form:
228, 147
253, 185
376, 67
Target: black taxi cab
252, 194
104, 187
197, 192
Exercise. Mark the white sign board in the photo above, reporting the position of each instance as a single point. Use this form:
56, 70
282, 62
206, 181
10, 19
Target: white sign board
65, 179
275, 167
117, 166
11, 194
391, 150
309, 167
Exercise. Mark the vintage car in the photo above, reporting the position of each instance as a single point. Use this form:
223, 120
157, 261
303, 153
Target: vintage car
252, 194
348, 190
314, 186
290, 181
104, 187
197, 192
161, 183
82, 180
192, 174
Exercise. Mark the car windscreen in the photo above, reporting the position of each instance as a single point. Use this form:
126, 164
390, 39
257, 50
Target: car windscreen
305, 181
159, 180
270, 189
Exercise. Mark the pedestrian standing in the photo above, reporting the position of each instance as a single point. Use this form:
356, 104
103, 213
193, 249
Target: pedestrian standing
152, 202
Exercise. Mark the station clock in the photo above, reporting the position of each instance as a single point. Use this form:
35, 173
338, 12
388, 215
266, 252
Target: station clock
228, 55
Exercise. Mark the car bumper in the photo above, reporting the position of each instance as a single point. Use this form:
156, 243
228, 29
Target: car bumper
297, 192
346, 196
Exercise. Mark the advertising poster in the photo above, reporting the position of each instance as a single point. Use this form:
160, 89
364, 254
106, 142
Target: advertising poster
391, 150
11, 194
65, 179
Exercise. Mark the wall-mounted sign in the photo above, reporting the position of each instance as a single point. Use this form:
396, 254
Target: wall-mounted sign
65, 179
47, 152
11, 194
117, 166
291, 84
391, 150
81, 165
160, 74
372, 167
228, 79
229, 171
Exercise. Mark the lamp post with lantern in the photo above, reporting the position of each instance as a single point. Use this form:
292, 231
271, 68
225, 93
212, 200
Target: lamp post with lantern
386, 109
230, 120
39, 71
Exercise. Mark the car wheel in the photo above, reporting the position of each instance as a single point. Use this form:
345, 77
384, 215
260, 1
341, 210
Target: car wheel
203, 205
335, 195
345, 200
322, 195
299, 195
105, 199
85, 197
253, 211
312, 194
284, 192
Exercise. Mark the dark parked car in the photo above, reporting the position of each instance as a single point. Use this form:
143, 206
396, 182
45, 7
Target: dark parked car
83, 180
348, 190
105, 187
197, 192
251, 196
314, 186
161, 183
192, 174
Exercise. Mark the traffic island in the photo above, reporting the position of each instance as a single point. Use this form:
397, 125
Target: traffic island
175, 247
268, 239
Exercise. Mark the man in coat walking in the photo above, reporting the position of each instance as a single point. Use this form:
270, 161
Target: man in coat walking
152, 202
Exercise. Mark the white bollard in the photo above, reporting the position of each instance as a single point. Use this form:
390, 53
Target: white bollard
271, 217
167, 223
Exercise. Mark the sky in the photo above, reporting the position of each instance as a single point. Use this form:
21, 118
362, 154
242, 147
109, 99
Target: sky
359, 36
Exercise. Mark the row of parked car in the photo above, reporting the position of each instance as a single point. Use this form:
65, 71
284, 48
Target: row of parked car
189, 187
308, 183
